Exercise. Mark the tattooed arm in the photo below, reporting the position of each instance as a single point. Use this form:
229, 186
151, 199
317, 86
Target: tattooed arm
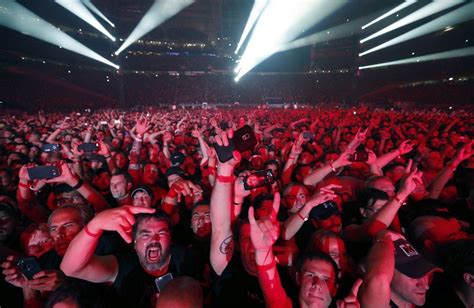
222, 243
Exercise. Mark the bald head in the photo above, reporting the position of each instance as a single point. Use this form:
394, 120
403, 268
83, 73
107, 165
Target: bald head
181, 292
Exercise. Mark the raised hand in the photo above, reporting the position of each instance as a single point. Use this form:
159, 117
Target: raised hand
239, 189
405, 147
141, 127
184, 188
119, 219
344, 159
350, 301
47, 280
296, 149
12, 273
410, 183
464, 153
104, 148
360, 136
222, 140
66, 175
264, 232
326, 193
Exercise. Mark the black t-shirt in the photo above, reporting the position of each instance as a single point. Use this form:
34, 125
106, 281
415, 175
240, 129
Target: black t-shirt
235, 287
136, 288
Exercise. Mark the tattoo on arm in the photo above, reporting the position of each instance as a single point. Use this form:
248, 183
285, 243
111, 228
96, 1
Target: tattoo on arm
227, 246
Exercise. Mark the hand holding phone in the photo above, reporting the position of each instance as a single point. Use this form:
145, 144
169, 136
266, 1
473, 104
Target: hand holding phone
244, 139
43, 172
50, 148
88, 147
259, 179
29, 266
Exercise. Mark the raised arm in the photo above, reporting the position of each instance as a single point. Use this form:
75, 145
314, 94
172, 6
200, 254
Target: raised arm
446, 173
222, 242
293, 224
80, 261
383, 160
375, 290
319, 174
97, 201
263, 234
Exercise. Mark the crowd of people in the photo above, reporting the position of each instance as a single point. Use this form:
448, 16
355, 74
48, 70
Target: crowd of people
329, 207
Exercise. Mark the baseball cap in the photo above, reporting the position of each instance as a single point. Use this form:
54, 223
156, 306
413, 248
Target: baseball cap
144, 189
324, 210
175, 170
410, 262
177, 158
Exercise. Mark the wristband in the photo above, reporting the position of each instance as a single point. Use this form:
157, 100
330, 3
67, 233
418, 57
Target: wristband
399, 152
291, 157
236, 203
107, 157
332, 167
402, 202
267, 267
20, 184
226, 179
301, 216
94, 235
80, 182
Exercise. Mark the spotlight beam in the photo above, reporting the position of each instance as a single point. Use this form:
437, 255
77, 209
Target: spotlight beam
464, 52
334, 33
457, 16
95, 10
430, 9
158, 13
77, 8
391, 12
17, 17
280, 23
257, 9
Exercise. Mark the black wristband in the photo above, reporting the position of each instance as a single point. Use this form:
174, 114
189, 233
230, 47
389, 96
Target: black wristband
80, 182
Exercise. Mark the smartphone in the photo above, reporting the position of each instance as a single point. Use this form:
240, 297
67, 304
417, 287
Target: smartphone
117, 122
162, 281
103, 123
244, 139
308, 135
359, 156
259, 179
94, 157
29, 267
50, 147
88, 147
43, 172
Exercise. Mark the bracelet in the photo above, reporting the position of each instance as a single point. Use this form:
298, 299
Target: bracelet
20, 184
88, 232
80, 182
291, 157
402, 202
301, 216
225, 178
107, 157
236, 203
399, 152
332, 167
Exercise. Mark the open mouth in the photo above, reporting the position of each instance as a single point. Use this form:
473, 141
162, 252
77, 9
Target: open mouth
153, 254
